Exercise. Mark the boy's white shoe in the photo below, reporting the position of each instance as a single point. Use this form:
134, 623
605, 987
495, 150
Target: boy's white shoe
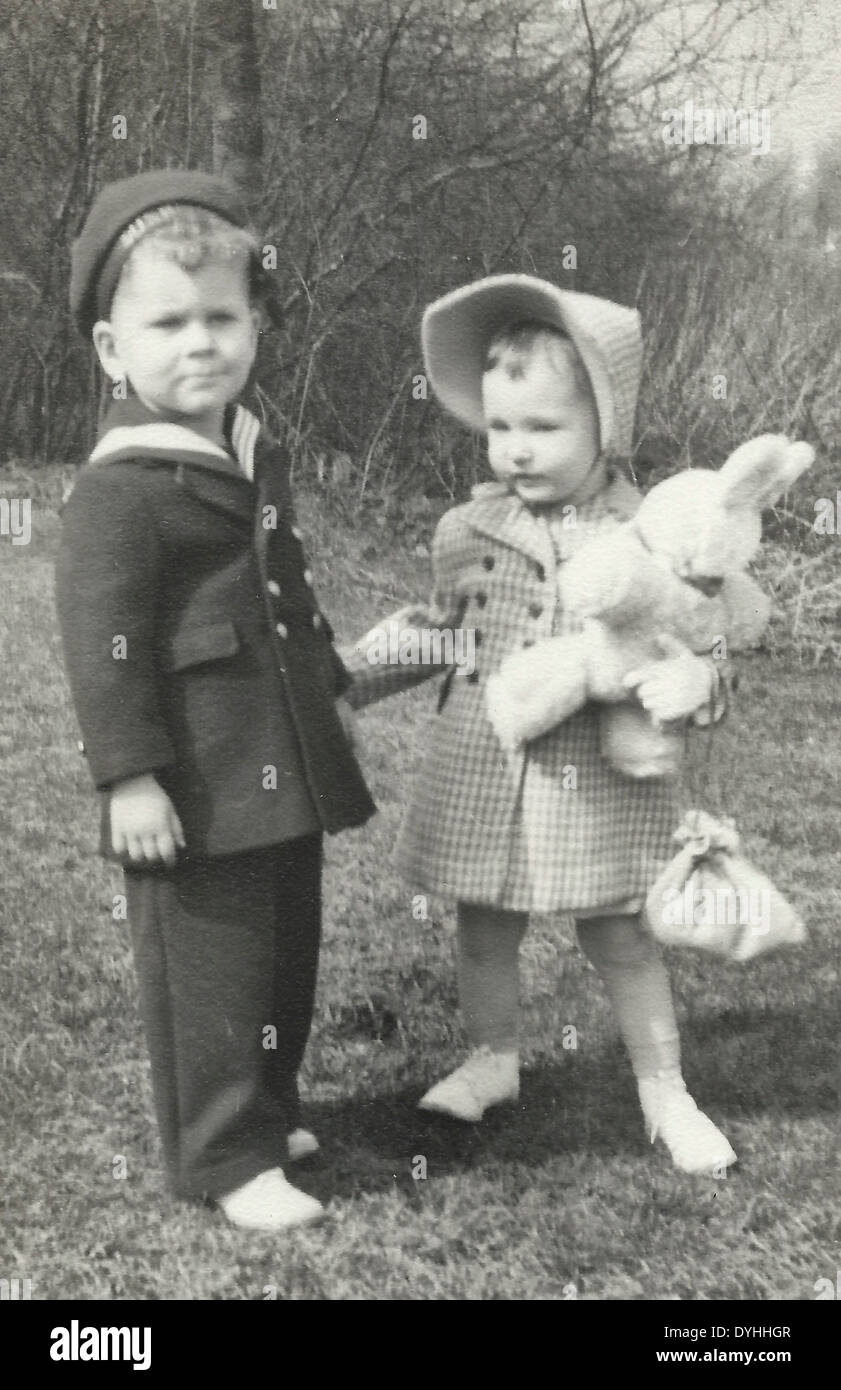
486, 1078
302, 1144
270, 1203
694, 1142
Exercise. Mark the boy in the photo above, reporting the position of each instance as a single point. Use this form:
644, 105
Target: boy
205, 684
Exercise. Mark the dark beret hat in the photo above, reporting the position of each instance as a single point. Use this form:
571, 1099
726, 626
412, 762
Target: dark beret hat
118, 204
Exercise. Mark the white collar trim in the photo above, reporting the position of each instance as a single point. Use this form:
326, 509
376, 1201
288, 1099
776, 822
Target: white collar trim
168, 437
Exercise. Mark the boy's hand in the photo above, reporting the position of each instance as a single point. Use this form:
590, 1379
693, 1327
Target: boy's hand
675, 687
348, 719
144, 823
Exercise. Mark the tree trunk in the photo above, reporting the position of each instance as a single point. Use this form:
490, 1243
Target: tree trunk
234, 73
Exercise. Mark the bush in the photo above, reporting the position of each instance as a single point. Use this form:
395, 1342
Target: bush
534, 141
806, 590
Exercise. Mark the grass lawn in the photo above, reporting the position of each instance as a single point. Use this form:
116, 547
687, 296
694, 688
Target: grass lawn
560, 1198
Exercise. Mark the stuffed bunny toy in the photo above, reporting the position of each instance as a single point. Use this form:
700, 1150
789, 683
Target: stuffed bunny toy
671, 577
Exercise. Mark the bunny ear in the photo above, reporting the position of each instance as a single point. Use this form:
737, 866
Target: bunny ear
758, 472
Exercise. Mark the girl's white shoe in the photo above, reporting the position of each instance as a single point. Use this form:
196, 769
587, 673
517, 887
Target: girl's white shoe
694, 1142
486, 1078
270, 1203
301, 1144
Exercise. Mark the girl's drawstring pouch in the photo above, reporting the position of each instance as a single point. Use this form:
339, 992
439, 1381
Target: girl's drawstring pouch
710, 898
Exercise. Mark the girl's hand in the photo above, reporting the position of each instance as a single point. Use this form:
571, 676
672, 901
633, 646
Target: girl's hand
674, 687
144, 823
409, 619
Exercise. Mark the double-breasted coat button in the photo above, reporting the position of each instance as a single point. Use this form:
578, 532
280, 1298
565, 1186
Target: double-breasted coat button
540, 571
317, 621
535, 610
488, 562
481, 599
281, 630
308, 577
273, 588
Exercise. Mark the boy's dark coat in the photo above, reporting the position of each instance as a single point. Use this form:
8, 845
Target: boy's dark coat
174, 554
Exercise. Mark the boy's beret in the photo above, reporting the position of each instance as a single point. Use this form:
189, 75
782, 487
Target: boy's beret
118, 204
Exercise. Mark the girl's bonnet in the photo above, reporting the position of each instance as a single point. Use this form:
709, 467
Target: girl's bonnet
457, 329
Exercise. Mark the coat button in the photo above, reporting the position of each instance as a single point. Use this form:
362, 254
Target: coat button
481, 599
297, 533
273, 588
529, 642
488, 562
80, 744
535, 610
317, 621
308, 577
281, 630
540, 572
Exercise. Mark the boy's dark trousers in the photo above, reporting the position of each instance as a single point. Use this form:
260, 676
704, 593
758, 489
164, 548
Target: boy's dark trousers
226, 951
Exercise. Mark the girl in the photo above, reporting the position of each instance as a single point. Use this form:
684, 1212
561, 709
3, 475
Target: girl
552, 378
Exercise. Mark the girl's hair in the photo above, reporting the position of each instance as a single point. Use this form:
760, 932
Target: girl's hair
515, 347
191, 237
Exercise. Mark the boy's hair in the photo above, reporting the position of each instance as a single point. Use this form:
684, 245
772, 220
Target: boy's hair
515, 347
191, 237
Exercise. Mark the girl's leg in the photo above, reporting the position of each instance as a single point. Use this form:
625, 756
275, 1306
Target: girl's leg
631, 969
629, 963
488, 946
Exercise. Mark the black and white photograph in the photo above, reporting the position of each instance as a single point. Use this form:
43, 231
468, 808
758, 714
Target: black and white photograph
420, 550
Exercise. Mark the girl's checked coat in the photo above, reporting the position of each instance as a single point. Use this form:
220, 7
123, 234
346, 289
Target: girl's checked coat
555, 828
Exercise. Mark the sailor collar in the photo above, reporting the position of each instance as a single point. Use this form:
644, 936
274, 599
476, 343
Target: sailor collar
135, 433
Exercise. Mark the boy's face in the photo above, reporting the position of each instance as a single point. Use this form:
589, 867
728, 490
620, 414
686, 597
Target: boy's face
543, 431
186, 340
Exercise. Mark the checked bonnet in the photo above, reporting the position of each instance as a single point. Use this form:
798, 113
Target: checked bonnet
457, 329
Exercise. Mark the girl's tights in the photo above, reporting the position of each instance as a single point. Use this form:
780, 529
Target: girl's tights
625, 958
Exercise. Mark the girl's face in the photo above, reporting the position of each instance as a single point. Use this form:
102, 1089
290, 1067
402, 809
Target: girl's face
543, 431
